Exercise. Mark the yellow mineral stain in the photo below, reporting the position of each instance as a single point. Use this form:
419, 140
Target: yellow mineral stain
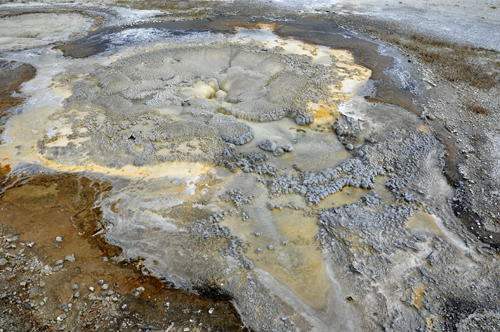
381, 189
340, 62
417, 297
348, 195
422, 220
293, 259
26, 130
63, 91
323, 113
423, 128
293, 225
353, 80
266, 26
167, 170
319, 54
253, 26
430, 324
64, 141
356, 245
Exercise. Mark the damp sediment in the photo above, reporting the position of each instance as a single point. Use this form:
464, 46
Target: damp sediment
53, 217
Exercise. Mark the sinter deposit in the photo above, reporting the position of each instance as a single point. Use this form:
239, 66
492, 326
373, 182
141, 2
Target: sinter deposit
244, 169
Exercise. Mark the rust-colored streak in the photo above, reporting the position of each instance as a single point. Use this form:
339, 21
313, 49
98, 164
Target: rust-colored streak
4, 172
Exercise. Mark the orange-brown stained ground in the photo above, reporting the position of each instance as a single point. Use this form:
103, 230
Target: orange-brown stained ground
10, 81
4, 171
42, 207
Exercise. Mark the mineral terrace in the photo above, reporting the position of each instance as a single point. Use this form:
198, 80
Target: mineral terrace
230, 166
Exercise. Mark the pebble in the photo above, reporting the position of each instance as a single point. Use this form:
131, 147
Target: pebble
77, 295
91, 288
59, 239
105, 286
267, 145
41, 283
74, 287
279, 152
287, 148
3, 261
211, 310
70, 258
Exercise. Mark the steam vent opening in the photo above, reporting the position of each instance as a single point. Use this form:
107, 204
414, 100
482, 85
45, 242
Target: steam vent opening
248, 166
